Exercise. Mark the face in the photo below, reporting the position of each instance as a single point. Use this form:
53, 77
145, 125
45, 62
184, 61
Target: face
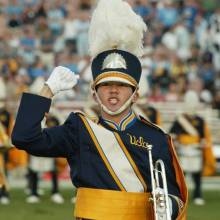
114, 94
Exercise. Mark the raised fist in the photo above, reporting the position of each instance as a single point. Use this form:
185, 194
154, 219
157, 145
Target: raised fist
61, 79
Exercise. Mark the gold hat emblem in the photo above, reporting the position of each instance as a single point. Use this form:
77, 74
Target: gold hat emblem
114, 61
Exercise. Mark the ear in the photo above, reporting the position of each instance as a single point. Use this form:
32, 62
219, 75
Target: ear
94, 96
135, 97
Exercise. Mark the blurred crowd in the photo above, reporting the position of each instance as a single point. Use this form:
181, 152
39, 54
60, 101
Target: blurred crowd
181, 47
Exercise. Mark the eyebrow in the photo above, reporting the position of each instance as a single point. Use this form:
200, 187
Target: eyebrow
115, 83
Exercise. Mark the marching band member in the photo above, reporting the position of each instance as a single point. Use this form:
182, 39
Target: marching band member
5, 145
109, 164
38, 165
193, 143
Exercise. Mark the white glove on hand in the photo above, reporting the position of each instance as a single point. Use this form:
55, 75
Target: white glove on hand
61, 79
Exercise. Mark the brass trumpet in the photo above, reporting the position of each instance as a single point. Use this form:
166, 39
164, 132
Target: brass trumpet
159, 193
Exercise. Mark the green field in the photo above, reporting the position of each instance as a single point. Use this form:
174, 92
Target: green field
46, 210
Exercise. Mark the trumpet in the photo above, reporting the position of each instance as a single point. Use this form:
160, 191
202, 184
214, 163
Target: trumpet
160, 197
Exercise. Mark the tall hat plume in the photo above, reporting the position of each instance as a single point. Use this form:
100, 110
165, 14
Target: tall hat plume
115, 42
115, 25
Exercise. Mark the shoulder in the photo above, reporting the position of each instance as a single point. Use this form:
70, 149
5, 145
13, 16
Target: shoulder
79, 115
151, 108
199, 121
199, 118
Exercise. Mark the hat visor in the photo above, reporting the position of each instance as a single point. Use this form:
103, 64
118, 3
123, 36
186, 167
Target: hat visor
115, 79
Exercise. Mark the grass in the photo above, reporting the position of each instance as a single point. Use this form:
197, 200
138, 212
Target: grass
46, 210
210, 211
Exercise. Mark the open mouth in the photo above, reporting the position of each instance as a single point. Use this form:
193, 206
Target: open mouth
113, 101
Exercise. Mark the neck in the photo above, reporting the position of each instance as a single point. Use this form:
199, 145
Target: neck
115, 118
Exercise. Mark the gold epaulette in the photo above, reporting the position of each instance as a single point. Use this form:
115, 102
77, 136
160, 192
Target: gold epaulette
92, 118
151, 124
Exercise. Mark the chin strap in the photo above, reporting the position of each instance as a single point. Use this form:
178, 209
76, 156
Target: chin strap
120, 110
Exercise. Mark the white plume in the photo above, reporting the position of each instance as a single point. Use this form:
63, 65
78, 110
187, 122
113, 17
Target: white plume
115, 25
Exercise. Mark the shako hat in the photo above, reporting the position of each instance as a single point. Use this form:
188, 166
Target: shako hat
116, 65
116, 43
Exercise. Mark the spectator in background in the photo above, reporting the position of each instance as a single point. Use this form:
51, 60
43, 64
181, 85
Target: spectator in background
46, 52
178, 67
169, 39
151, 13
215, 38
37, 69
41, 9
13, 11
183, 38
70, 30
29, 14
167, 14
190, 10
70, 61
82, 28
206, 71
55, 15
160, 68
172, 94
41, 26
28, 45
201, 32
140, 8
156, 95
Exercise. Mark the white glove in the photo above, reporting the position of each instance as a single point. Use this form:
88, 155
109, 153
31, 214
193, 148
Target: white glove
61, 79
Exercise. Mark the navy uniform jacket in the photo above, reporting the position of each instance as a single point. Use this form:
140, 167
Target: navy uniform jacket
72, 141
197, 122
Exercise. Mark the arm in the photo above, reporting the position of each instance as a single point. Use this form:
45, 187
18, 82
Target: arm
46, 92
28, 134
